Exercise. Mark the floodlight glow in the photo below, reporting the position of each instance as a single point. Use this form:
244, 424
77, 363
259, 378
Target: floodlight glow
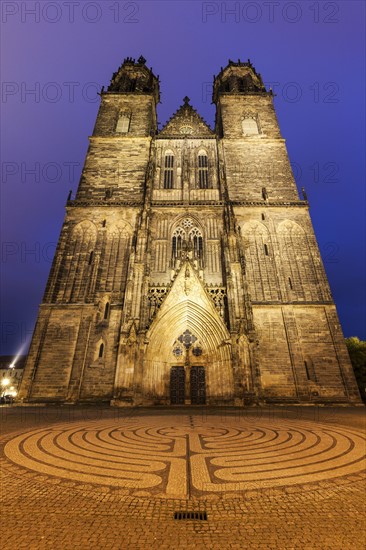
5, 382
18, 354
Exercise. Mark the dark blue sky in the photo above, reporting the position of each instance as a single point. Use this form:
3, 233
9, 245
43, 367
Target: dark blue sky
312, 53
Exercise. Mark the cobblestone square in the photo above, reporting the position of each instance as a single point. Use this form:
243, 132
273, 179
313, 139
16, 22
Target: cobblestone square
264, 477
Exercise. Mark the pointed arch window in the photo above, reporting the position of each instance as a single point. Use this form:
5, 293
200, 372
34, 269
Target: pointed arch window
196, 241
106, 311
250, 126
178, 242
189, 240
123, 123
101, 351
168, 171
132, 85
202, 170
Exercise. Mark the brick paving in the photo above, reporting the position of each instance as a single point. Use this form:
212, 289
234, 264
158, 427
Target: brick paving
81, 477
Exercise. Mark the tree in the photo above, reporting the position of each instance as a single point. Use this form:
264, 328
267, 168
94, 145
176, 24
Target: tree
357, 353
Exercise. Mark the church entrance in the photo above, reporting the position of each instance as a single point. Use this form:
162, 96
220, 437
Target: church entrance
196, 389
198, 385
177, 386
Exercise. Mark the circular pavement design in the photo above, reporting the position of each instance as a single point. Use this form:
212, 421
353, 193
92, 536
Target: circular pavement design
180, 457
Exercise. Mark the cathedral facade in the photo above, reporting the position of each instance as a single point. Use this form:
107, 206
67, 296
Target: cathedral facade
187, 269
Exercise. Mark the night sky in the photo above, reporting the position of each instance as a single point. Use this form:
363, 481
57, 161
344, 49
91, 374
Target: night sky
311, 53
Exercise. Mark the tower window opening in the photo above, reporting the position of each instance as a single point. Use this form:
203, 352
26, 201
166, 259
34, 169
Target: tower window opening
290, 283
242, 85
101, 351
91, 256
168, 171
123, 123
264, 194
310, 371
203, 171
263, 217
266, 249
250, 126
106, 311
132, 85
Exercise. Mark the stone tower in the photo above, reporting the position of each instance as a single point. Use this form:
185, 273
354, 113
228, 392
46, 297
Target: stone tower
187, 270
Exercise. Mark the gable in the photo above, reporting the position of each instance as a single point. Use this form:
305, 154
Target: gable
186, 122
187, 305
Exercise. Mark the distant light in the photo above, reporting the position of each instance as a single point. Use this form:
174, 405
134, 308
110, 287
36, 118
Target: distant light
12, 366
5, 382
11, 391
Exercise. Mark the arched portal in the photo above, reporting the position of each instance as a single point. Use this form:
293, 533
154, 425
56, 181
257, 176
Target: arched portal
188, 308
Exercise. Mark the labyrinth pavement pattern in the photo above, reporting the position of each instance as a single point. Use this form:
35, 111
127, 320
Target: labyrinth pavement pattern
177, 458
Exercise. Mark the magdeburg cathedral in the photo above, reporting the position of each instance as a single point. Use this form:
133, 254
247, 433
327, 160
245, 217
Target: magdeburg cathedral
187, 269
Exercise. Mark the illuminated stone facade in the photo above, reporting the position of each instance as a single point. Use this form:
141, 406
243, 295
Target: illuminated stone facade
187, 269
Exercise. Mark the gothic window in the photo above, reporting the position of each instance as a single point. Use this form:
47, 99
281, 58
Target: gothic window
297, 262
168, 171
178, 242
132, 85
187, 339
242, 85
106, 311
123, 124
101, 351
260, 271
114, 257
202, 171
250, 126
187, 239
195, 237
77, 265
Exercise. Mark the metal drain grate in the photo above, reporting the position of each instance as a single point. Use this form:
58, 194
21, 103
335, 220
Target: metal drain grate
200, 516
